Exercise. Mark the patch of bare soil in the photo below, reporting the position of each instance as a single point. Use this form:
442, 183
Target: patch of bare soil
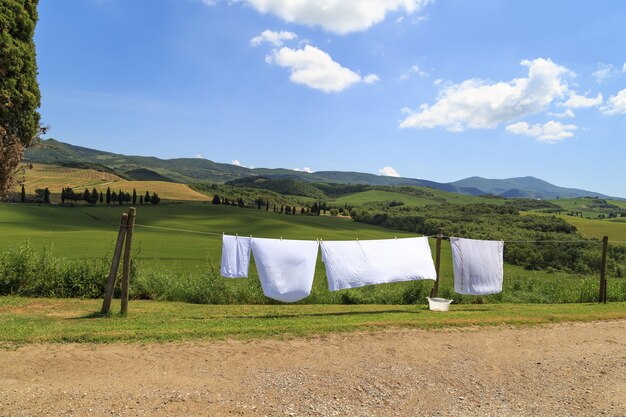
560, 370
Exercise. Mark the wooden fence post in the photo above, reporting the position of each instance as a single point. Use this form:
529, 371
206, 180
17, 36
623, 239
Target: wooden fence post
126, 266
108, 292
435, 291
605, 247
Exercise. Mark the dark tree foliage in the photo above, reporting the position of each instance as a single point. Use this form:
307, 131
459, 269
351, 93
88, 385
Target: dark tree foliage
155, 199
101, 197
293, 210
216, 200
240, 202
19, 91
141, 200
23, 196
134, 197
108, 195
46, 196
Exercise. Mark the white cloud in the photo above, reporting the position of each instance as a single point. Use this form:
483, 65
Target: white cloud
624, 67
274, 38
305, 169
603, 72
414, 70
314, 68
338, 16
576, 102
566, 114
550, 132
371, 79
437, 81
199, 156
388, 172
239, 164
616, 104
475, 103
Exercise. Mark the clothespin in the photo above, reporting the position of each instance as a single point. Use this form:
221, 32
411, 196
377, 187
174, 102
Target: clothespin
281, 238
236, 235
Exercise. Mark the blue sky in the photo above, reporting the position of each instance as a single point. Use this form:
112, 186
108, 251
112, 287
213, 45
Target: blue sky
439, 90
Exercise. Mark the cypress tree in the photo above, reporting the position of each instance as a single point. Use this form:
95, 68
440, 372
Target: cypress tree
141, 200
293, 210
19, 90
134, 197
120, 197
146, 197
101, 197
216, 200
267, 206
63, 196
108, 195
46, 196
86, 195
94, 196
23, 199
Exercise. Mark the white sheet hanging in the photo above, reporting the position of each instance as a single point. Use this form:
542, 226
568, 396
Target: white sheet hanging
478, 266
286, 267
352, 264
235, 256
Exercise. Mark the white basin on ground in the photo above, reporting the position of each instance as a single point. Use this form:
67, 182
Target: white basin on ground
438, 304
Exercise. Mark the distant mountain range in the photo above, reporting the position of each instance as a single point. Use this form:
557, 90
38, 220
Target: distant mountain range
194, 170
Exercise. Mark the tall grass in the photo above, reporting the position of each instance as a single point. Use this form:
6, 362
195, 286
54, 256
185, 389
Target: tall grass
28, 272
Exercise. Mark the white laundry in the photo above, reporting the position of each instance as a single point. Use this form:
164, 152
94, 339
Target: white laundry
235, 256
478, 266
286, 267
352, 264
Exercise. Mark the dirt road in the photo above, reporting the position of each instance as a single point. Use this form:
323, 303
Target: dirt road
560, 370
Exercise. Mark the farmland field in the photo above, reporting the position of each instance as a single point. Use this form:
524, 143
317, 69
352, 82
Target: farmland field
56, 177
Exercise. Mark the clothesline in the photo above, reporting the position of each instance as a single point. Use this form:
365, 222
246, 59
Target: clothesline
429, 236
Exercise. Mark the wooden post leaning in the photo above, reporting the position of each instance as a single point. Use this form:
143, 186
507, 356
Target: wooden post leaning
435, 291
605, 247
126, 266
108, 292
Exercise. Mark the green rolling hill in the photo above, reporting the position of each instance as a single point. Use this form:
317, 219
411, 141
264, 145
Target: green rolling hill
194, 170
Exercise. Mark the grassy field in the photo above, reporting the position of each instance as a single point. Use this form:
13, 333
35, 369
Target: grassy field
25, 320
363, 197
615, 229
56, 177
437, 197
179, 266
585, 206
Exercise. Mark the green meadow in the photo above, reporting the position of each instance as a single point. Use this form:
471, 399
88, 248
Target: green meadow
44, 320
176, 265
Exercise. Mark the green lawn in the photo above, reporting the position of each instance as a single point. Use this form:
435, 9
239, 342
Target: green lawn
28, 320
